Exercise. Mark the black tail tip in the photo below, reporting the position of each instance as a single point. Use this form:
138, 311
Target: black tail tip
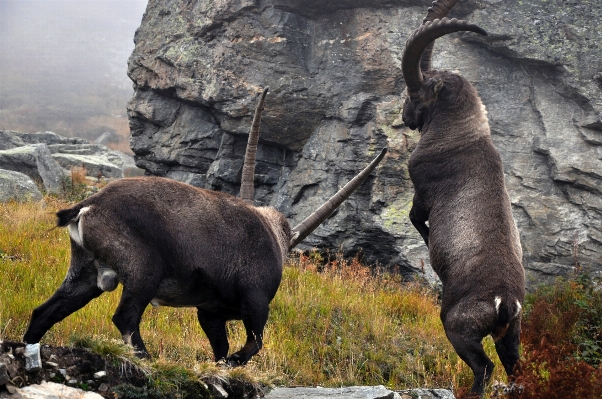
65, 216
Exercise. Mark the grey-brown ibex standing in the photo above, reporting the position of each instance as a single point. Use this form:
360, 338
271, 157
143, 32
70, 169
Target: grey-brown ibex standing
172, 244
459, 187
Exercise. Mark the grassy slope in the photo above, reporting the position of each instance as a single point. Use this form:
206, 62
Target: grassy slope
339, 326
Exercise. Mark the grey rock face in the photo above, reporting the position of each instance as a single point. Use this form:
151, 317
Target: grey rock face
17, 186
34, 160
336, 91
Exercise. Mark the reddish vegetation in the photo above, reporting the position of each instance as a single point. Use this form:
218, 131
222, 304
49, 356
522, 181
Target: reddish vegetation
551, 338
561, 339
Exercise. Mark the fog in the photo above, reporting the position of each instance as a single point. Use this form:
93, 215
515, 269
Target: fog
63, 64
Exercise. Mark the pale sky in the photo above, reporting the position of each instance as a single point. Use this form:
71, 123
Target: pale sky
64, 61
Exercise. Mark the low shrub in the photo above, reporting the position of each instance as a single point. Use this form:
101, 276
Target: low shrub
561, 341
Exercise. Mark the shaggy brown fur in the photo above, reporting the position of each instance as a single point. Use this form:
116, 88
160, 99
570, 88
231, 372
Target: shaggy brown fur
172, 244
473, 241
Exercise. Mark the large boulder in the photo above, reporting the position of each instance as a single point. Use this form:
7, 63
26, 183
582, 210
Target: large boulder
96, 158
34, 160
72, 152
16, 186
336, 94
11, 139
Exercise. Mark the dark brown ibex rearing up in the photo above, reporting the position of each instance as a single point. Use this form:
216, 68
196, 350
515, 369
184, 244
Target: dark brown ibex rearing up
172, 244
459, 187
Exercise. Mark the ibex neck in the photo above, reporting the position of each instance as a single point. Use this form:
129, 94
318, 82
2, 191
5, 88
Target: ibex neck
469, 125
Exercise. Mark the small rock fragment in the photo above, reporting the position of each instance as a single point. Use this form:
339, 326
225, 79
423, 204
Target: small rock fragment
11, 388
33, 361
100, 374
3, 374
103, 387
63, 372
72, 382
52, 364
218, 391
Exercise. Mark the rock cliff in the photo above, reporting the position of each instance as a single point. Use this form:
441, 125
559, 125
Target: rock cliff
336, 91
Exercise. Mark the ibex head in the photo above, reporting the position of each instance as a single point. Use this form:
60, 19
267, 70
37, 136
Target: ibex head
424, 87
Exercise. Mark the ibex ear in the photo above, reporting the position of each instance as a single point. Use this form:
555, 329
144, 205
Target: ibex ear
434, 86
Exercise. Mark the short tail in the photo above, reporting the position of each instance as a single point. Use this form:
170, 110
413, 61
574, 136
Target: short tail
66, 216
508, 309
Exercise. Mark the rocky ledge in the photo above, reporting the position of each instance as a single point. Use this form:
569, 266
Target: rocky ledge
47, 158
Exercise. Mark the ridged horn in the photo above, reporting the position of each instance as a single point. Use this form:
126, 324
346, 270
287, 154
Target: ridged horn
438, 10
247, 186
420, 39
305, 228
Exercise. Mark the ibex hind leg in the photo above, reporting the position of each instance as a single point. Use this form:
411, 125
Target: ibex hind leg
215, 329
507, 347
467, 342
78, 288
471, 351
140, 284
255, 311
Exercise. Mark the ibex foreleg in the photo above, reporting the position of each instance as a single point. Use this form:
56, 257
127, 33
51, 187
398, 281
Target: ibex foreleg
78, 288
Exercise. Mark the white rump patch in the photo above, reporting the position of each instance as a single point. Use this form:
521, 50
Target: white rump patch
498, 302
519, 308
75, 227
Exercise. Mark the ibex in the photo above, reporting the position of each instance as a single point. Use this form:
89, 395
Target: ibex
172, 244
459, 187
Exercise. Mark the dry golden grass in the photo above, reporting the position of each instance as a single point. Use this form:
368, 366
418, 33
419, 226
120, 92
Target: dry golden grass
334, 324
78, 175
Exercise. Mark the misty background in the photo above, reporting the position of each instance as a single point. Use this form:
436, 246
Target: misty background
63, 66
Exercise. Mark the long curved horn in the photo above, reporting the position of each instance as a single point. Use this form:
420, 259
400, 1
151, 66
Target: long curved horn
247, 186
420, 39
305, 228
438, 10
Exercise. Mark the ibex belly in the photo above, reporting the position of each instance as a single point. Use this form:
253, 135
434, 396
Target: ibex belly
177, 293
